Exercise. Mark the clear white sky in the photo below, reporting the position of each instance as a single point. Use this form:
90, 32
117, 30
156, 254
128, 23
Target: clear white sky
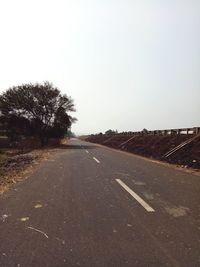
128, 64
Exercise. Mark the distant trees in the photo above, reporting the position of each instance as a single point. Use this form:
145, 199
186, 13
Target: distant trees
35, 110
70, 134
111, 132
145, 131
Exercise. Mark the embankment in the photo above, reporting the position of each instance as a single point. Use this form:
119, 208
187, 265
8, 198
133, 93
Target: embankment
182, 149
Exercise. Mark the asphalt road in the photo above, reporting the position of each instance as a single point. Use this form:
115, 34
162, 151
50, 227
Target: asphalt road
93, 206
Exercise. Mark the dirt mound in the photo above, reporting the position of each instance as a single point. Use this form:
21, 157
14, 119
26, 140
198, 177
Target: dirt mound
155, 146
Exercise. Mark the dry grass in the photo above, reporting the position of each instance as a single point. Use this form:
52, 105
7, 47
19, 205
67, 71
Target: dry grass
10, 176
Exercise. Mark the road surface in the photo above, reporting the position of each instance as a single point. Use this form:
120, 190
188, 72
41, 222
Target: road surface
94, 206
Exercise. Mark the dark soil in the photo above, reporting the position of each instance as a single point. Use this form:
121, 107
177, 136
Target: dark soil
14, 164
155, 146
18, 163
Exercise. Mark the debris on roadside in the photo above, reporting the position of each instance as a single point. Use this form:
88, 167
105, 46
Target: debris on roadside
24, 219
17, 167
16, 162
4, 217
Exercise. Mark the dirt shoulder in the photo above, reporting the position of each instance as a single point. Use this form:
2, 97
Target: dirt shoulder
15, 167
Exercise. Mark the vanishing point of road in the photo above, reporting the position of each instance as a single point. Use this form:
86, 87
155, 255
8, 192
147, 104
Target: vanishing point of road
92, 206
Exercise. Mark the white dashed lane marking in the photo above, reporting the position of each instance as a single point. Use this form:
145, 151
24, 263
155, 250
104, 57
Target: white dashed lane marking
96, 160
135, 196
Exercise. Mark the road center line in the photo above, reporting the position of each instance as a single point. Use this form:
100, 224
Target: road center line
135, 196
87, 151
96, 160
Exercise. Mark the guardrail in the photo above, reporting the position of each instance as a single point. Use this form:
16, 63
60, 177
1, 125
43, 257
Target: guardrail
182, 131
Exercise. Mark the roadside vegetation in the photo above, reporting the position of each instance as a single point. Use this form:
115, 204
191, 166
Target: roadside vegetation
35, 110
34, 119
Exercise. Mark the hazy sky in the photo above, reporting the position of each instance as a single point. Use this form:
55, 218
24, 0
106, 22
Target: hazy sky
128, 64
